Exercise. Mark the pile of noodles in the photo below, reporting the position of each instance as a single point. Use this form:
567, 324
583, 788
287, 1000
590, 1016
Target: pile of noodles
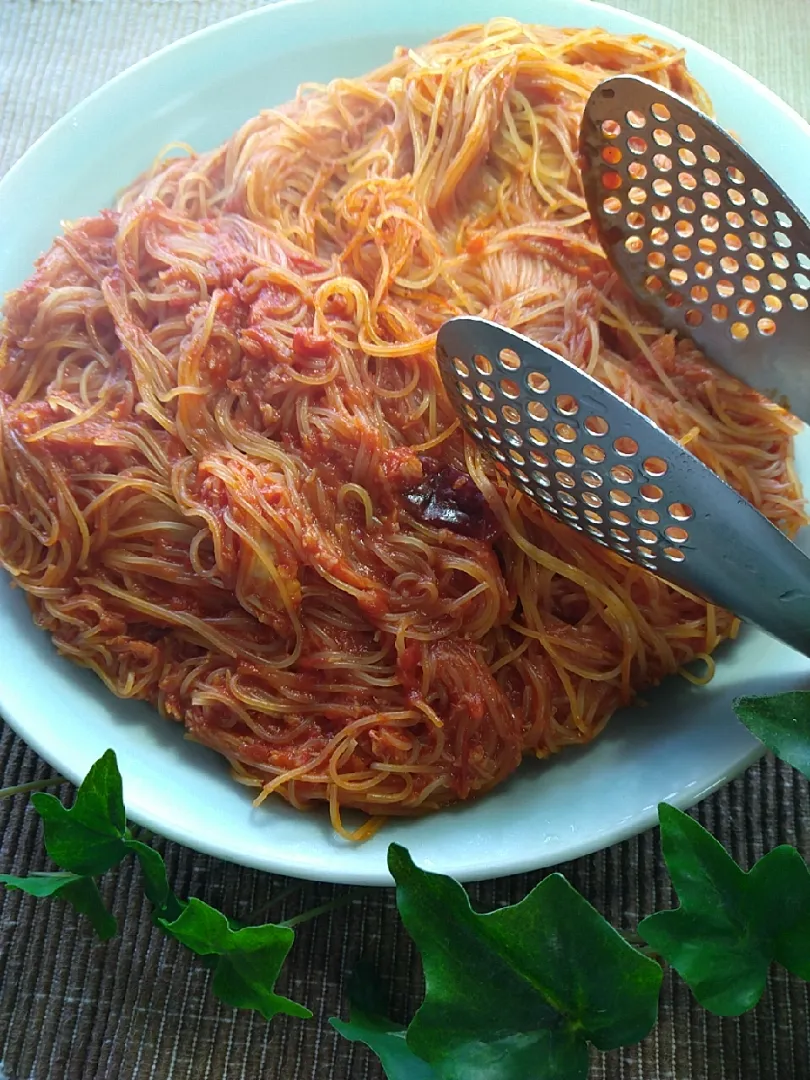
231, 482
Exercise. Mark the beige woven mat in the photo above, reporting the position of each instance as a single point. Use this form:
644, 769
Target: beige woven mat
138, 1007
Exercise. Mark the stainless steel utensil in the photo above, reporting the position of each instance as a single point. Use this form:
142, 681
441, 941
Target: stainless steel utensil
594, 462
706, 239
701, 234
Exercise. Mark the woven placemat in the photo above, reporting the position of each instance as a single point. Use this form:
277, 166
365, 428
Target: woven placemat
138, 1007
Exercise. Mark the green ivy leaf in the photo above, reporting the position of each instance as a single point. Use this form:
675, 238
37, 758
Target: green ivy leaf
730, 924
782, 723
155, 882
367, 1024
519, 992
248, 960
79, 891
89, 837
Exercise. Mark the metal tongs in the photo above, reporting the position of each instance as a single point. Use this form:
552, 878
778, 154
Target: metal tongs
716, 251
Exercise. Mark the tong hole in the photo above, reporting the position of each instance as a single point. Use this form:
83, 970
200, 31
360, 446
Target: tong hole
592, 480
509, 388
594, 454
565, 433
655, 467
509, 359
537, 411
564, 457
461, 368
660, 111
510, 414
485, 391
611, 129
537, 382
674, 554
619, 498
566, 405
635, 118
799, 302
647, 516
596, 425
538, 436
622, 474
591, 499
677, 534
739, 331
680, 511
625, 446
651, 493
766, 327
686, 133
482, 364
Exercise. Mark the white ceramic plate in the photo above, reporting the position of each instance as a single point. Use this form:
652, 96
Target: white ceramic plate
685, 744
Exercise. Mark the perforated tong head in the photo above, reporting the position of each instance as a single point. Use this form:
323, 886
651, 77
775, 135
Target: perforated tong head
701, 235
597, 464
